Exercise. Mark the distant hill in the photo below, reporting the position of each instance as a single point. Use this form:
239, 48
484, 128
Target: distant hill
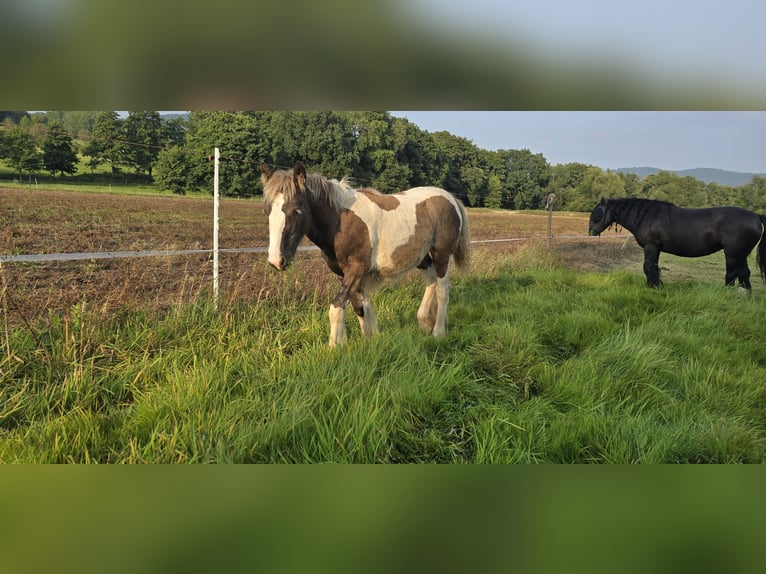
175, 115
708, 175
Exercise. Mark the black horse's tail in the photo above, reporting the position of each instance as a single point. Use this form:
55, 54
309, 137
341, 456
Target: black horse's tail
760, 256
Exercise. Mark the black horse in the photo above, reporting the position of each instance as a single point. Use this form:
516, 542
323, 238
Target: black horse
661, 226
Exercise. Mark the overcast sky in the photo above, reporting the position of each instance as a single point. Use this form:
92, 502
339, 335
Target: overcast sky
723, 41
679, 41
734, 141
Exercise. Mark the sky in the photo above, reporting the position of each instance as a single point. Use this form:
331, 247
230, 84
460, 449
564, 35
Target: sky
681, 42
729, 140
721, 40
469, 54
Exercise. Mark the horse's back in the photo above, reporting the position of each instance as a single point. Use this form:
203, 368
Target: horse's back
409, 205
423, 194
404, 227
734, 223
695, 232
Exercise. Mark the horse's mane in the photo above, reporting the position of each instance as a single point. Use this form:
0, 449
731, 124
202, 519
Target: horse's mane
630, 211
322, 189
329, 190
631, 201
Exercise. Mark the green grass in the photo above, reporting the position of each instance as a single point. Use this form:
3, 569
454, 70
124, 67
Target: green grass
98, 180
541, 364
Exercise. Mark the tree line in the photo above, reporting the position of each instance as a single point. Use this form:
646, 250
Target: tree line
374, 148
56, 141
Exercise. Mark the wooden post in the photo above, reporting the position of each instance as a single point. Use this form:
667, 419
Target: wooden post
549, 206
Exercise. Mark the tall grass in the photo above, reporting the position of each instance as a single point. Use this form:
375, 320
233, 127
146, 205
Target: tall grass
540, 364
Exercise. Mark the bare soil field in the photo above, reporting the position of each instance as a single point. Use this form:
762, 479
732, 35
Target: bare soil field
36, 221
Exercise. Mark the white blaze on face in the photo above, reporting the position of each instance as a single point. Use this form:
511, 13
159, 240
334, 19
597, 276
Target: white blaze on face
276, 227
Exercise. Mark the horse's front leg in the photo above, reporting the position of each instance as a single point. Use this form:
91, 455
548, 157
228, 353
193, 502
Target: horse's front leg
338, 316
651, 265
351, 291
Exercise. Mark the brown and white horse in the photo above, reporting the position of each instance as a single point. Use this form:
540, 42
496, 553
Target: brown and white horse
367, 238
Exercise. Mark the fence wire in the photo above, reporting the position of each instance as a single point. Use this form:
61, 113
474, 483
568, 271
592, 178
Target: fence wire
43, 257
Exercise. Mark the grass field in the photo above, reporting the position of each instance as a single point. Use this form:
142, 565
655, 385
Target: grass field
554, 353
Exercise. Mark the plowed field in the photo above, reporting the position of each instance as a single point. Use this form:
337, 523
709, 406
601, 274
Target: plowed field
41, 221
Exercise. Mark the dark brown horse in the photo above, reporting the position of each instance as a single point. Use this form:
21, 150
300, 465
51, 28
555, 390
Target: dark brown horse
661, 226
367, 238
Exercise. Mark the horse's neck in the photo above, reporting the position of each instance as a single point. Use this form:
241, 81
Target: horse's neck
629, 214
325, 222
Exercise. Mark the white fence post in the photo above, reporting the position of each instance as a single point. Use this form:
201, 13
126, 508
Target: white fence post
215, 228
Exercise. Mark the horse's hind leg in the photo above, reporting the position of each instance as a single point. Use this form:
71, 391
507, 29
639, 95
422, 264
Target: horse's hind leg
368, 321
744, 275
442, 301
737, 268
427, 309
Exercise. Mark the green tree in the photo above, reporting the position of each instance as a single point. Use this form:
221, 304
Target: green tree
596, 184
108, 144
752, 195
173, 132
172, 171
566, 182
605, 184
417, 149
78, 124
475, 180
684, 191
496, 193
58, 153
459, 154
325, 141
717, 194
243, 146
35, 124
631, 184
12, 118
144, 132
21, 151
377, 151
527, 177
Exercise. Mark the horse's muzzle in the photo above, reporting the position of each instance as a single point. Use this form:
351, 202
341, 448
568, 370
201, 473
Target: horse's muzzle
592, 232
281, 264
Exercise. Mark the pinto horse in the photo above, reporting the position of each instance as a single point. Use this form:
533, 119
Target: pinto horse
367, 238
661, 226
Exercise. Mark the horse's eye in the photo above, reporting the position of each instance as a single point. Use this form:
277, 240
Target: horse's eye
598, 214
297, 212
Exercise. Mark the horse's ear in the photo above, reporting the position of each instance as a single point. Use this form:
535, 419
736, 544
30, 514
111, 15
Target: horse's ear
603, 201
299, 172
265, 172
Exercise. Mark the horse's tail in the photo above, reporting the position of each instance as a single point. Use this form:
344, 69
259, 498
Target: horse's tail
462, 255
760, 256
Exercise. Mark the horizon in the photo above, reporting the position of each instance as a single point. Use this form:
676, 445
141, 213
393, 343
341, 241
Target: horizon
667, 140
